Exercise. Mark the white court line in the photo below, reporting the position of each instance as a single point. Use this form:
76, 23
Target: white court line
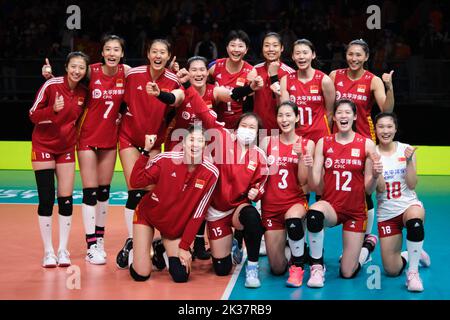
234, 277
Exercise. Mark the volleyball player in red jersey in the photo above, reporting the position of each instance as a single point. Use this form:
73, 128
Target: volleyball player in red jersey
271, 70
145, 114
311, 90
284, 203
363, 88
233, 72
58, 105
235, 155
176, 206
97, 141
351, 169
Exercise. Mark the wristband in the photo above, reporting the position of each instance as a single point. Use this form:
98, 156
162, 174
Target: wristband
186, 85
274, 79
240, 92
166, 97
145, 153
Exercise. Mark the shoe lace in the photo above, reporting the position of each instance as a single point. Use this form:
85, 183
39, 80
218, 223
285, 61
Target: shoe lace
316, 271
413, 275
252, 272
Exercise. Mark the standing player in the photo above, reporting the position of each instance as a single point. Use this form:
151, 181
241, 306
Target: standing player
145, 114
176, 206
233, 72
311, 90
284, 203
271, 70
56, 109
398, 205
363, 88
351, 170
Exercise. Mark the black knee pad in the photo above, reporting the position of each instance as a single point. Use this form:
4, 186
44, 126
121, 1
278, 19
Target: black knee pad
136, 276
222, 267
414, 230
355, 273
369, 201
308, 196
314, 220
177, 270
65, 206
45, 181
251, 219
90, 196
103, 193
134, 196
294, 228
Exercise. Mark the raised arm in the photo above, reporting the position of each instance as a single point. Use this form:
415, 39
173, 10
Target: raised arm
315, 173
146, 172
373, 167
329, 94
384, 98
411, 172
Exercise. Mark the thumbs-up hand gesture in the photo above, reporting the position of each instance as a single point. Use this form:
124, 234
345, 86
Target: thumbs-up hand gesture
409, 152
257, 83
308, 160
183, 75
387, 79
273, 68
47, 70
150, 140
59, 103
152, 89
253, 192
377, 168
173, 65
297, 147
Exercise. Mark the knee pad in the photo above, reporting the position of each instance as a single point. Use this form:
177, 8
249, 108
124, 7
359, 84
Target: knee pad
314, 220
65, 206
251, 219
45, 181
136, 276
294, 228
134, 196
103, 193
414, 230
177, 270
90, 196
222, 267
369, 201
355, 273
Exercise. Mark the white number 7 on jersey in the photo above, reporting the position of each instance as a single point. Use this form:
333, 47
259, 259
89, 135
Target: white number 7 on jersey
110, 104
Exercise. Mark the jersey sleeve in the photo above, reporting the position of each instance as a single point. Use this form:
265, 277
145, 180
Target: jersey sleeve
41, 110
260, 178
201, 110
144, 172
198, 216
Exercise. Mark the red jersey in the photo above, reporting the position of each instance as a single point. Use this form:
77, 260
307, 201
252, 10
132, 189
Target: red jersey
177, 204
99, 126
265, 101
57, 132
237, 176
344, 174
145, 114
359, 92
229, 112
311, 105
282, 188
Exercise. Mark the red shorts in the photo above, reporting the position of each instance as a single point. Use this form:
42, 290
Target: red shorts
276, 220
81, 146
390, 227
40, 156
140, 217
353, 222
220, 228
124, 143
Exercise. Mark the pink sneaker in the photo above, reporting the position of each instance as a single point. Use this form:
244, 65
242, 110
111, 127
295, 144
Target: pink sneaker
317, 277
413, 281
295, 279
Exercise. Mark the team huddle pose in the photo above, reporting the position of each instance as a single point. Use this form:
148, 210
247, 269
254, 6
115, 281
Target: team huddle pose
239, 174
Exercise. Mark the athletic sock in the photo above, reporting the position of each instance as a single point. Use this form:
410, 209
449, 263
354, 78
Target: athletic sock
45, 226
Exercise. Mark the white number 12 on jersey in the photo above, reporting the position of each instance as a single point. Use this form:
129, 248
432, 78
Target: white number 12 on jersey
345, 186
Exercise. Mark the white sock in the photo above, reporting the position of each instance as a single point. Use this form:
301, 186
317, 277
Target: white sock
363, 255
316, 243
370, 217
129, 214
414, 251
252, 263
297, 247
45, 225
88, 218
101, 213
65, 223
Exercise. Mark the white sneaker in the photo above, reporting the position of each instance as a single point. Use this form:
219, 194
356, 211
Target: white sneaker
50, 260
63, 259
101, 246
413, 281
262, 247
317, 276
424, 261
252, 276
94, 256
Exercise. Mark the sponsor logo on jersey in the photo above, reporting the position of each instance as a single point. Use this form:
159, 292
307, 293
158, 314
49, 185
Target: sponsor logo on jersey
401, 159
352, 225
240, 82
174, 174
314, 89
361, 88
185, 115
139, 88
340, 84
96, 93
251, 165
355, 152
188, 105
292, 88
330, 150
119, 83
154, 197
271, 159
98, 82
328, 163
80, 101
199, 183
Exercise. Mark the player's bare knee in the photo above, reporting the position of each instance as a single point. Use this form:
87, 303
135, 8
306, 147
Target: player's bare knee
348, 273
